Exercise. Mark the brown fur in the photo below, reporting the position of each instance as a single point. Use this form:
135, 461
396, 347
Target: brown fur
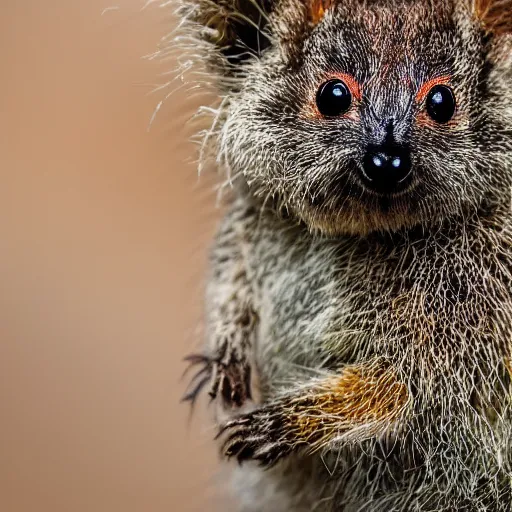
361, 396
495, 15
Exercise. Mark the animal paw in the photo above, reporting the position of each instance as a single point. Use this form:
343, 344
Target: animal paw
259, 435
228, 376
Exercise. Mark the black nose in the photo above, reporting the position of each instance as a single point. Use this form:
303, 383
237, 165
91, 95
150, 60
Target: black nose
386, 167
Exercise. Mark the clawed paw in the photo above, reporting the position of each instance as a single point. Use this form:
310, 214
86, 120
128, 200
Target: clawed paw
258, 436
227, 376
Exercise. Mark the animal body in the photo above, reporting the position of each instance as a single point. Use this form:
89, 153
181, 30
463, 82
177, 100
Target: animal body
359, 326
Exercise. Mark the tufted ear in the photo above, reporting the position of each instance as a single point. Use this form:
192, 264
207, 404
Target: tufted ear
495, 15
236, 29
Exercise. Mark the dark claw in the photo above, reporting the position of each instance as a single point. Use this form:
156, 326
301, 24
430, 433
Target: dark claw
240, 450
232, 379
238, 422
192, 395
255, 436
200, 378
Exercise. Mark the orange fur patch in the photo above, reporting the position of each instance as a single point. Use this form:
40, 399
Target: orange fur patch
368, 396
318, 8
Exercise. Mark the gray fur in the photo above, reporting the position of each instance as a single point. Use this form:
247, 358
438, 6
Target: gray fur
314, 276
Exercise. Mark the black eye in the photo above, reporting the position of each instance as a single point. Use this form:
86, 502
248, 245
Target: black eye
333, 98
441, 104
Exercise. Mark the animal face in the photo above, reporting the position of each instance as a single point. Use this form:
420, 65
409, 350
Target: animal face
373, 116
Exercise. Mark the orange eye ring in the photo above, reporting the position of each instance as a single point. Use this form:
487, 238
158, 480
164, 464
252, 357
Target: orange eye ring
352, 84
341, 89
428, 86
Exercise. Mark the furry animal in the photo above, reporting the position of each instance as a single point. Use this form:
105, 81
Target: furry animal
359, 327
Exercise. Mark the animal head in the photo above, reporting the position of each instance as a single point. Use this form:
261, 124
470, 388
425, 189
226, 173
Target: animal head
357, 116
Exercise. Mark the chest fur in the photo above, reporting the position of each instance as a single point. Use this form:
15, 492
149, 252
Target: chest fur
439, 301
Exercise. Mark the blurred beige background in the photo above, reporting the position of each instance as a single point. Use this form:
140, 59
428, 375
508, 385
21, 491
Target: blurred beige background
103, 237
